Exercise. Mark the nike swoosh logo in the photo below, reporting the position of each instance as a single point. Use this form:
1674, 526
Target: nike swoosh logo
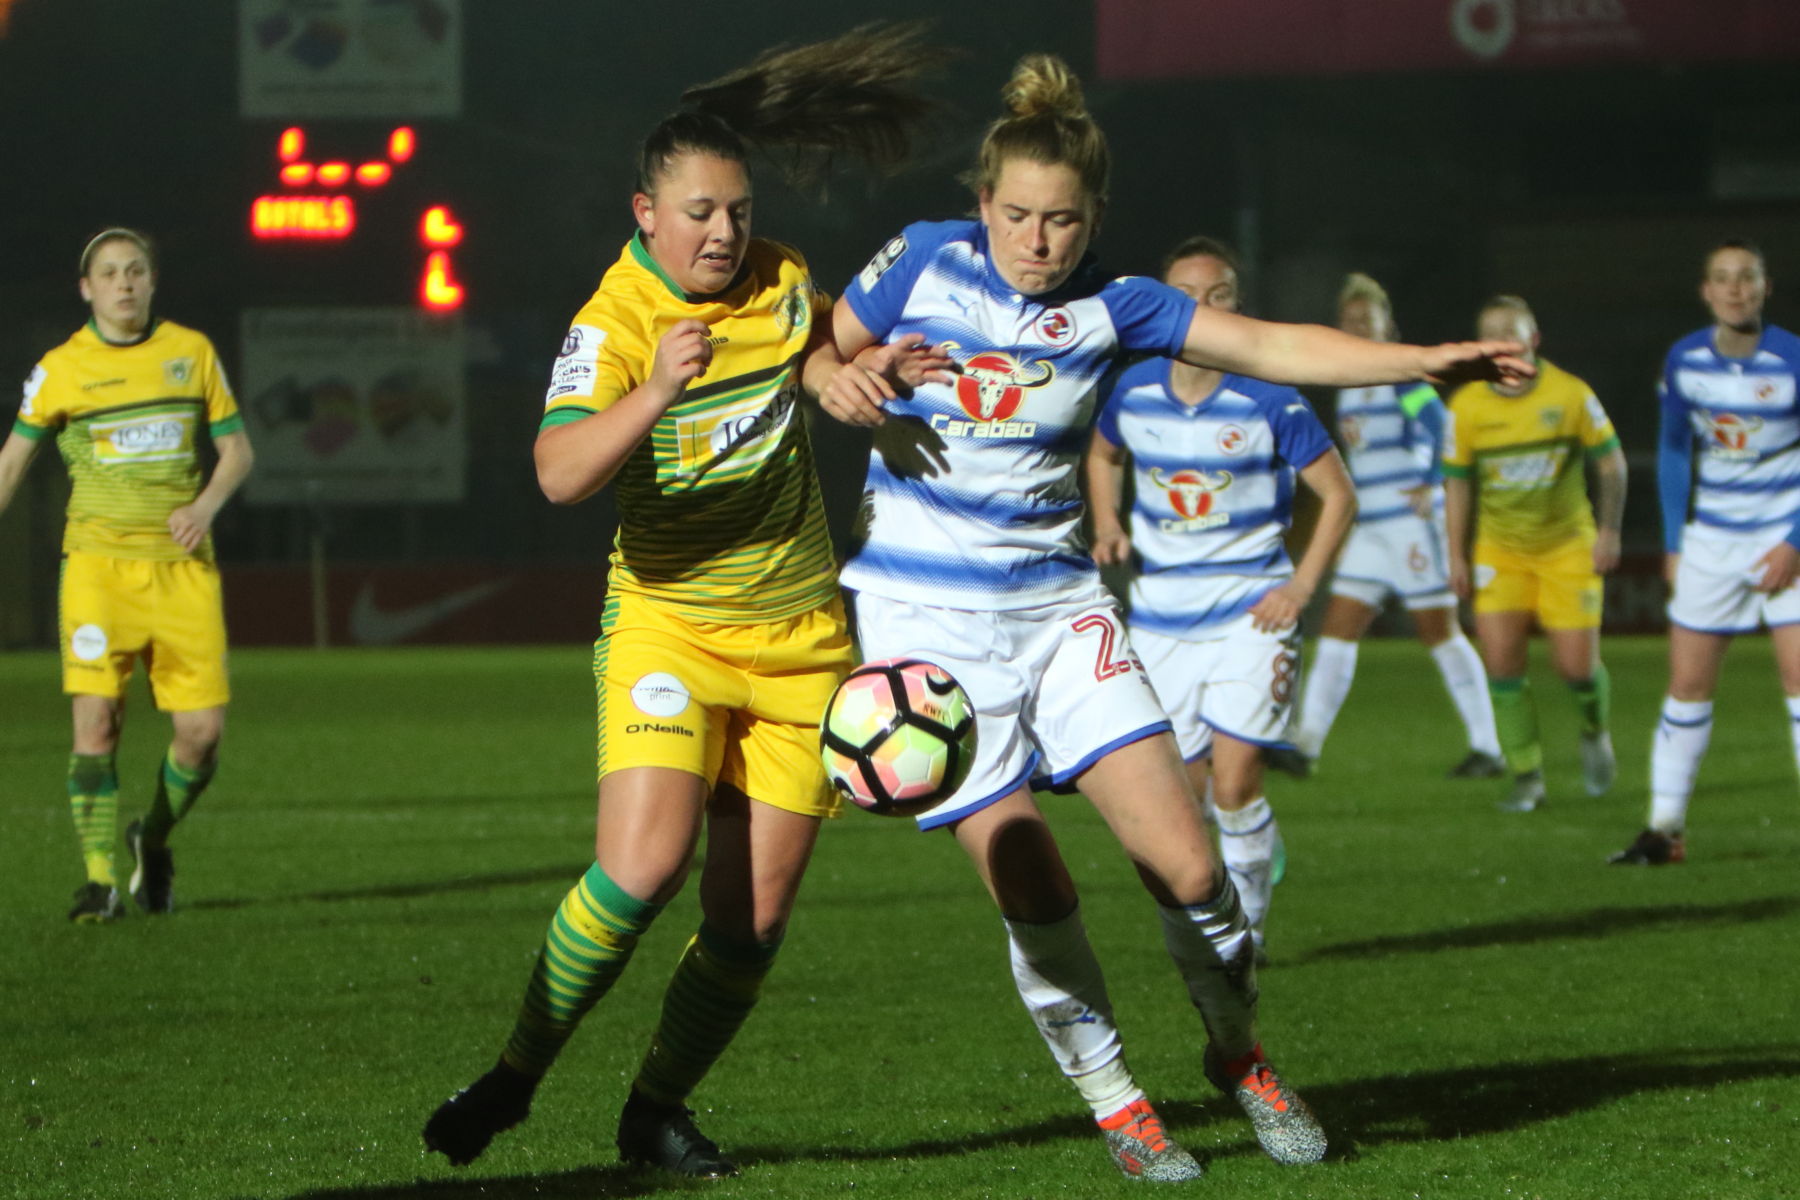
373, 626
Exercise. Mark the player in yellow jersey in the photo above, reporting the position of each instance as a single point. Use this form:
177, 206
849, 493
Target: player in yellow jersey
131, 401
1515, 461
722, 635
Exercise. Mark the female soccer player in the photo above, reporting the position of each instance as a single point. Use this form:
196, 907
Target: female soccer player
970, 554
722, 635
1728, 399
1392, 438
131, 399
1215, 457
1518, 450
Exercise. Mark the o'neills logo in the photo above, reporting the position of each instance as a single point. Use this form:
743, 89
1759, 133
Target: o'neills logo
1191, 493
654, 727
992, 384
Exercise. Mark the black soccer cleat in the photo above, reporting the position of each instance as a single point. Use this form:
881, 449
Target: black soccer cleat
153, 879
664, 1135
1652, 848
1289, 760
1478, 765
464, 1124
96, 904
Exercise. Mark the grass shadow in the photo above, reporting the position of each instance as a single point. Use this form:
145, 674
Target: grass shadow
1427, 1106
401, 891
1591, 923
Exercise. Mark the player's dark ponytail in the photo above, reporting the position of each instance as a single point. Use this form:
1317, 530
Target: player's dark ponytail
808, 103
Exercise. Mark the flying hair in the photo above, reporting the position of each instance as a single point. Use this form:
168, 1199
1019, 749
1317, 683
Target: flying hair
803, 106
1046, 122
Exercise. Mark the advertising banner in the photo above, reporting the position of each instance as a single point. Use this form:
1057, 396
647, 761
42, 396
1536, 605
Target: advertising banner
349, 58
353, 405
1182, 39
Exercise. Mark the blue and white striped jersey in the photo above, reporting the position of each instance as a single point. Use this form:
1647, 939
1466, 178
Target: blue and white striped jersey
1392, 435
1730, 436
973, 499
1215, 491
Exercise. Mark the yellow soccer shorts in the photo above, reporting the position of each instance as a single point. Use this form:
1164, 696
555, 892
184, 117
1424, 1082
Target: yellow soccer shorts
733, 704
1559, 585
171, 614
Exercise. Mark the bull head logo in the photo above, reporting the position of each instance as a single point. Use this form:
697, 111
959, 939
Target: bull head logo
992, 384
1190, 490
1731, 431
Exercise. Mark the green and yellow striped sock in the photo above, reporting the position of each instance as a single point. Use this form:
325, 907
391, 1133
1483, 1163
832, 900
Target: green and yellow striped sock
590, 940
715, 986
1593, 700
1515, 720
94, 803
177, 787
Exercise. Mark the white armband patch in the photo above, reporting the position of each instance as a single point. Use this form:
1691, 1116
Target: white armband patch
884, 258
33, 383
573, 374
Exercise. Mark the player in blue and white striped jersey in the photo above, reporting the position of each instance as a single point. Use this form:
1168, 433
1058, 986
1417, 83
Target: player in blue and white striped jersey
1728, 469
1215, 600
1391, 435
969, 554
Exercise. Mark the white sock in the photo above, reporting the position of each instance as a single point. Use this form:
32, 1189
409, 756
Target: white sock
1247, 844
1460, 665
1060, 982
1793, 705
1212, 949
1675, 754
1327, 683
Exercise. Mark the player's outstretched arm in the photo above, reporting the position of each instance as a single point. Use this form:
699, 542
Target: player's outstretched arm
1104, 472
189, 524
578, 459
1318, 355
1327, 479
15, 455
856, 393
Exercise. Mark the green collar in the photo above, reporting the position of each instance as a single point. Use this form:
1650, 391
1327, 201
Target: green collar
641, 253
139, 340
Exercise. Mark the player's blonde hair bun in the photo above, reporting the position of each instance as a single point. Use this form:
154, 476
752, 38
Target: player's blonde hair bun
1043, 85
1046, 122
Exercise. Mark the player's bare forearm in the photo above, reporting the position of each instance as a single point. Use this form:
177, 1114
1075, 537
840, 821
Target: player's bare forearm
1319, 355
578, 459
1103, 470
1609, 490
1327, 479
1458, 499
15, 456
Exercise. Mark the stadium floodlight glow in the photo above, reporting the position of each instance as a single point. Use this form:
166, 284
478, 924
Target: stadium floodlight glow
334, 174
401, 144
291, 144
438, 289
297, 174
302, 216
374, 174
439, 228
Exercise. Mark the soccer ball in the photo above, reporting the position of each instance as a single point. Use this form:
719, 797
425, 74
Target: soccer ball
898, 736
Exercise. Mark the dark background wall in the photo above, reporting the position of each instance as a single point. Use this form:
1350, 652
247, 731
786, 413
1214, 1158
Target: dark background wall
1591, 191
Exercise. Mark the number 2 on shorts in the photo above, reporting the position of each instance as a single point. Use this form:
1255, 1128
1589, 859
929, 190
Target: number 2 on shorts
1105, 665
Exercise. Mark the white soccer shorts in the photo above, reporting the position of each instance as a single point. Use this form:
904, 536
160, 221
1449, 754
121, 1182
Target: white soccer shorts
1056, 686
1239, 681
1714, 585
1405, 556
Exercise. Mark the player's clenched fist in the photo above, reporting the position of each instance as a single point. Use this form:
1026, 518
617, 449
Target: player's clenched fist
682, 356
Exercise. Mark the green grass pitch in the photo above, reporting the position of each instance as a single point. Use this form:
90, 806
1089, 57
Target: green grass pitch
1475, 1003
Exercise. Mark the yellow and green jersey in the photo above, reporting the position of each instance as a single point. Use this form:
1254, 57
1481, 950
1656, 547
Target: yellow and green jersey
128, 421
1527, 455
719, 508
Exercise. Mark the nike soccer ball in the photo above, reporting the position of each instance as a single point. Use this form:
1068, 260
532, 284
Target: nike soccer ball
898, 736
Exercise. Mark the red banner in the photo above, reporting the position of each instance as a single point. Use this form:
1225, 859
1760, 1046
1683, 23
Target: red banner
1176, 39
389, 605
